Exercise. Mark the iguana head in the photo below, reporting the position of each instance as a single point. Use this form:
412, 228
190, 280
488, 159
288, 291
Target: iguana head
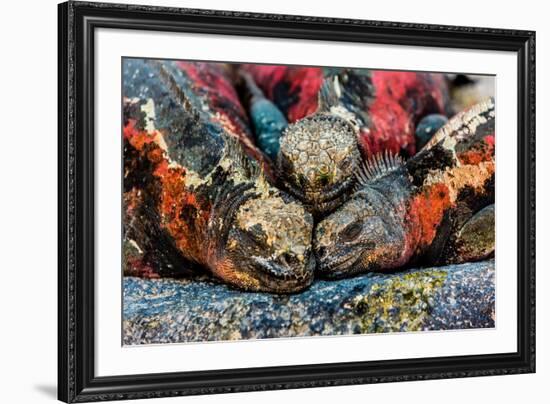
261, 237
317, 160
368, 231
365, 234
267, 244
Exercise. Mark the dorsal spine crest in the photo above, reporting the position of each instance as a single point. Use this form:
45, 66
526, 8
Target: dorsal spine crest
377, 166
329, 94
235, 152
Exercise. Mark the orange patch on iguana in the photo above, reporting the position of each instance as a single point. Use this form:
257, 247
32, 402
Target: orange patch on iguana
156, 156
426, 212
483, 151
137, 138
180, 212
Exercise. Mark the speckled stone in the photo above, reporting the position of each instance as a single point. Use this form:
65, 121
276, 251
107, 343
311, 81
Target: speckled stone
439, 298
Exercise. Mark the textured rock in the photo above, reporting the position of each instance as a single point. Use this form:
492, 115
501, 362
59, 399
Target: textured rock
439, 298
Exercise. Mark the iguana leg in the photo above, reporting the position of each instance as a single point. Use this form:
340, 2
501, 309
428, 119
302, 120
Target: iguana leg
475, 240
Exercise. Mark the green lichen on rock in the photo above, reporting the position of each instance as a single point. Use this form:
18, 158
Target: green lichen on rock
400, 303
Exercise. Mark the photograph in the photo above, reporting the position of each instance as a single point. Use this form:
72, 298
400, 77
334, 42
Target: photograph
285, 198
280, 201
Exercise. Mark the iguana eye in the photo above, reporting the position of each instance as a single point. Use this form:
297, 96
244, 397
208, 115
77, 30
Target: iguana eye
351, 232
324, 177
345, 164
301, 179
252, 236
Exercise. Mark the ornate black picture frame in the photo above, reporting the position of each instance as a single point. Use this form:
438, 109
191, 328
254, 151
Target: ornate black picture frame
77, 24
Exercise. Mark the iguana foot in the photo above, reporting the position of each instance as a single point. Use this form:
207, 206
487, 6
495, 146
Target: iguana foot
476, 239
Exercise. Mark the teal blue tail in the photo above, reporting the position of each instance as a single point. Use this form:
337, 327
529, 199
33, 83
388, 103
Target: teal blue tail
268, 121
269, 124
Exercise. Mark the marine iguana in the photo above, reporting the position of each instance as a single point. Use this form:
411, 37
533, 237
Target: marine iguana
194, 201
436, 208
336, 115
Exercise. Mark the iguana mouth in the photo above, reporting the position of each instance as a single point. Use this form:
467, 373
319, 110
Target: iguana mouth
332, 193
280, 278
338, 268
344, 264
323, 200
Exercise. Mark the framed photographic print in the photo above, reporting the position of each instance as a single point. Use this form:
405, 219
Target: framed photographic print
253, 202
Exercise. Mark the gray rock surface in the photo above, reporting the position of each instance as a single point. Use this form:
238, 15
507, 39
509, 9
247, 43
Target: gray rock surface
192, 310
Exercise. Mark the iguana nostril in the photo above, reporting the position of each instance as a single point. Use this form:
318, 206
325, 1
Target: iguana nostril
311, 175
321, 251
288, 259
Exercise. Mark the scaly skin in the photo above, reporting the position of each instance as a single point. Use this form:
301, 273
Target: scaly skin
416, 211
362, 111
317, 159
193, 199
